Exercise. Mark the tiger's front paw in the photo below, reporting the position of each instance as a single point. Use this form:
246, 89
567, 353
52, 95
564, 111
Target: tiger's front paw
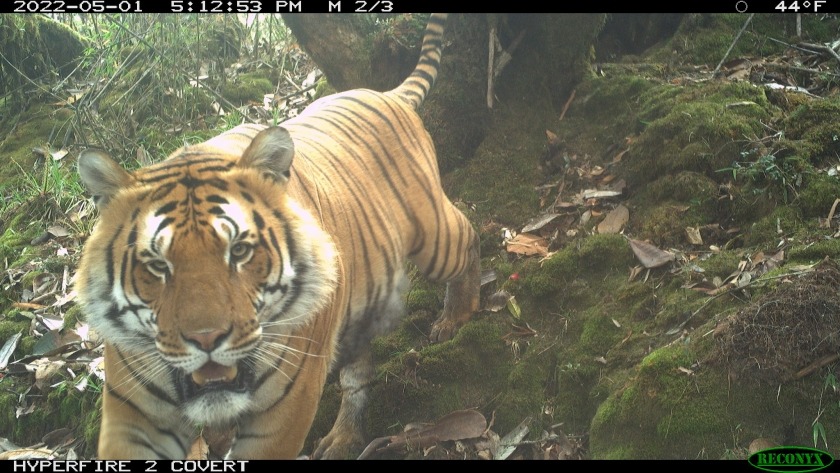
338, 446
443, 329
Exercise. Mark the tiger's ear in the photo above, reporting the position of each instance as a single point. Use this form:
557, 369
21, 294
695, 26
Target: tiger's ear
270, 152
101, 175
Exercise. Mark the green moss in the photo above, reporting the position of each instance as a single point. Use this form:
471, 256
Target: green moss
699, 132
599, 334
406, 337
503, 192
720, 265
248, 88
611, 102
70, 407
637, 300
665, 412
657, 384
814, 252
665, 224
73, 316
573, 386
617, 93
815, 122
60, 407
596, 255
472, 370
685, 186
499, 179
423, 295
323, 88
470, 347
818, 195
13, 322
664, 359
766, 230
34, 131
524, 395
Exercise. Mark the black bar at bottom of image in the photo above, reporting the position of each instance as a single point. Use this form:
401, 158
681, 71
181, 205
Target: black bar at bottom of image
126, 466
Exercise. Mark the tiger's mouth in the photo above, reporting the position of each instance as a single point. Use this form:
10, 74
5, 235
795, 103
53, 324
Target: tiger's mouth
213, 377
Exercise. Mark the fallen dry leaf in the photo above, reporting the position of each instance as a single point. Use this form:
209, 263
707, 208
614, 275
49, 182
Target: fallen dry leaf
617, 157
528, 245
685, 370
45, 369
458, 425
634, 272
29, 454
199, 450
693, 235
8, 348
760, 444
59, 155
615, 220
705, 286
649, 255
596, 194
539, 222
509, 442
497, 301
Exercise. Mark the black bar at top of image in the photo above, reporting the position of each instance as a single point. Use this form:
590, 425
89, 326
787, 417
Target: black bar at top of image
413, 6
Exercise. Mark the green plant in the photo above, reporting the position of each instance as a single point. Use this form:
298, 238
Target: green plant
51, 192
768, 167
817, 428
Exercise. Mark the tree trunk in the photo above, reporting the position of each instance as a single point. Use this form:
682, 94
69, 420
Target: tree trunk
549, 53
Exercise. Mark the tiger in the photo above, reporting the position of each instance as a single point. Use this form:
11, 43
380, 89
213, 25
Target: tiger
228, 280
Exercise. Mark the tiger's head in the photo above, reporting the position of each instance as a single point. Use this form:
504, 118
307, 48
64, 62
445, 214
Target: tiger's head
201, 269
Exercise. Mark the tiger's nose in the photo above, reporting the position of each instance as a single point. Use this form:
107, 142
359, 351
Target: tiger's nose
207, 339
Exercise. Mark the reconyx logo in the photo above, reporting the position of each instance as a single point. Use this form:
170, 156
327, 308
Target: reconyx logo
790, 459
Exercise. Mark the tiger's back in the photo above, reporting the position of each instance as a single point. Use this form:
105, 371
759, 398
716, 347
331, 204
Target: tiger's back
229, 279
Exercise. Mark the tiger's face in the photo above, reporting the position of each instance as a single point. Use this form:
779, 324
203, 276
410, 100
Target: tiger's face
209, 274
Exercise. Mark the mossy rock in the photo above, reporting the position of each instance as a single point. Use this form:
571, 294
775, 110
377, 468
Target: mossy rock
765, 231
591, 257
818, 195
816, 251
250, 87
720, 265
701, 130
676, 408
815, 122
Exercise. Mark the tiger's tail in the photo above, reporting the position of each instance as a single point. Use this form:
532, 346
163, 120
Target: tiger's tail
414, 88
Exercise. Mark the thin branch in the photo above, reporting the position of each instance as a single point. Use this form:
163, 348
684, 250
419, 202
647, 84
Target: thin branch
823, 47
734, 41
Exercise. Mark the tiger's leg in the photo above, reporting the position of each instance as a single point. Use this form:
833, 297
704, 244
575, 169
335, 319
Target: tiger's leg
135, 437
459, 266
139, 420
357, 371
347, 436
278, 428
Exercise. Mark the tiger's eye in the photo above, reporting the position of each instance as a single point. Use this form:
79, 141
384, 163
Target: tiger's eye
158, 267
240, 250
